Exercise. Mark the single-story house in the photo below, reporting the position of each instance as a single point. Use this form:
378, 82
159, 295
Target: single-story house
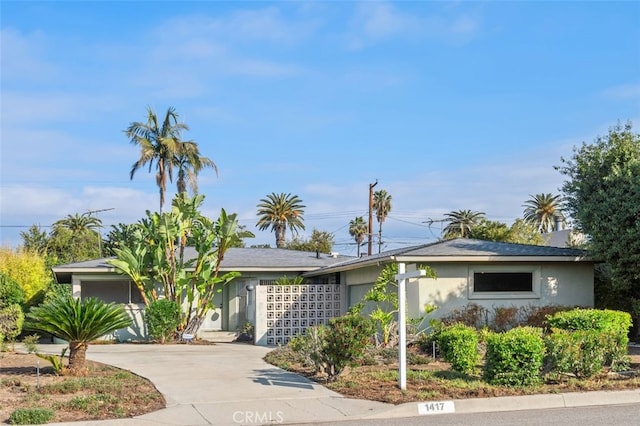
487, 273
484, 272
234, 303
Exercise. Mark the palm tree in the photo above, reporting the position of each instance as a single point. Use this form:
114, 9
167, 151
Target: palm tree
543, 211
78, 322
280, 211
460, 223
78, 223
189, 163
159, 145
358, 229
382, 207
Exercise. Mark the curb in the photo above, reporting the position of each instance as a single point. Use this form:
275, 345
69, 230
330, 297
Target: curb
512, 403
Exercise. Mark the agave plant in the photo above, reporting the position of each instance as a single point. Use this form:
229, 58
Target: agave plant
77, 321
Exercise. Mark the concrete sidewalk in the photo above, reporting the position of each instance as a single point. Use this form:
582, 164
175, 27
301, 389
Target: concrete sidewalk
230, 384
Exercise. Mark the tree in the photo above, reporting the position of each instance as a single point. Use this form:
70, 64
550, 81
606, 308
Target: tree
79, 223
382, 207
460, 223
120, 235
75, 238
520, 232
279, 212
543, 210
28, 269
320, 241
35, 239
189, 163
358, 229
159, 145
602, 195
78, 322
156, 256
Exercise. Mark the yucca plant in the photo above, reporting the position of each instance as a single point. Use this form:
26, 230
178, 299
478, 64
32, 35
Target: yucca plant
77, 321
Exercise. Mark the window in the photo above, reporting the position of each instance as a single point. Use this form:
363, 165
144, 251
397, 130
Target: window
117, 291
504, 282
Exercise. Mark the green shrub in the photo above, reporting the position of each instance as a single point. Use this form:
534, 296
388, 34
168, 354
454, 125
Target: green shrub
310, 347
614, 324
30, 416
10, 291
515, 358
459, 346
582, 353
11, 321
346, 341
162, 317
30, 343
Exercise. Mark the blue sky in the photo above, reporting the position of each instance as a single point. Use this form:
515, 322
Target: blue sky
449, 105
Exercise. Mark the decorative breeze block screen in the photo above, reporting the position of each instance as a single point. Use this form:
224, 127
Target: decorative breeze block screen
293, 308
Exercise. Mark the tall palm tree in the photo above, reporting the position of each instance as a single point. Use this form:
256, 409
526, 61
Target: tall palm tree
280, 211
460, 223
543, 211
159, 145
358, 229
189, 163
78, 223
382, 207
78, 322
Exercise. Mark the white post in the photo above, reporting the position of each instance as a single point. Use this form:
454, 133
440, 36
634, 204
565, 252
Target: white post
402, 320
402, 327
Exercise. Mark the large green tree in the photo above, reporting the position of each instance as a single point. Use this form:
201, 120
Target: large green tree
156, 256
520, 232
382, 207
358, 229
460, 223
160, 144
320, 241
602, 195
77, 321
279, 212
543, 211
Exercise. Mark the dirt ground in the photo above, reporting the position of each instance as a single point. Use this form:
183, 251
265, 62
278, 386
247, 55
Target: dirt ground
105, 393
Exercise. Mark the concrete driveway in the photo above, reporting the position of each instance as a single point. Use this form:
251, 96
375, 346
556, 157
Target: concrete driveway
224, 384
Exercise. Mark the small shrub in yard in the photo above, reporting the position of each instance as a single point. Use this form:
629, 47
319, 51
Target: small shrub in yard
310, 347
347, 340
515, 357
459, 346
471, 315
582, 353
30, 416
614, 324
505, 318
162, 317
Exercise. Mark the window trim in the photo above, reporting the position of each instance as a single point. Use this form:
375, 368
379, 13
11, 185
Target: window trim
535, 285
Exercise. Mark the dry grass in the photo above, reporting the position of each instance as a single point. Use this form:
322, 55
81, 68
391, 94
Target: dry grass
105, 393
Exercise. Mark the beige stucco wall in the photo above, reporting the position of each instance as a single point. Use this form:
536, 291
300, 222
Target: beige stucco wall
559, 283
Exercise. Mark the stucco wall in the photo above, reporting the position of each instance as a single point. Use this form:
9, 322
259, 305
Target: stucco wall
560, 283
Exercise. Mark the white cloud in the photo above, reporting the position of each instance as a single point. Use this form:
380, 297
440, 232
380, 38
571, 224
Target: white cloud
377, 21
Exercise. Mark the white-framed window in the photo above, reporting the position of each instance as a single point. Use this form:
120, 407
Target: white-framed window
504, 282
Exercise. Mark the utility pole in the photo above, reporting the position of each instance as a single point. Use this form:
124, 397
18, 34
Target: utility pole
370, 234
